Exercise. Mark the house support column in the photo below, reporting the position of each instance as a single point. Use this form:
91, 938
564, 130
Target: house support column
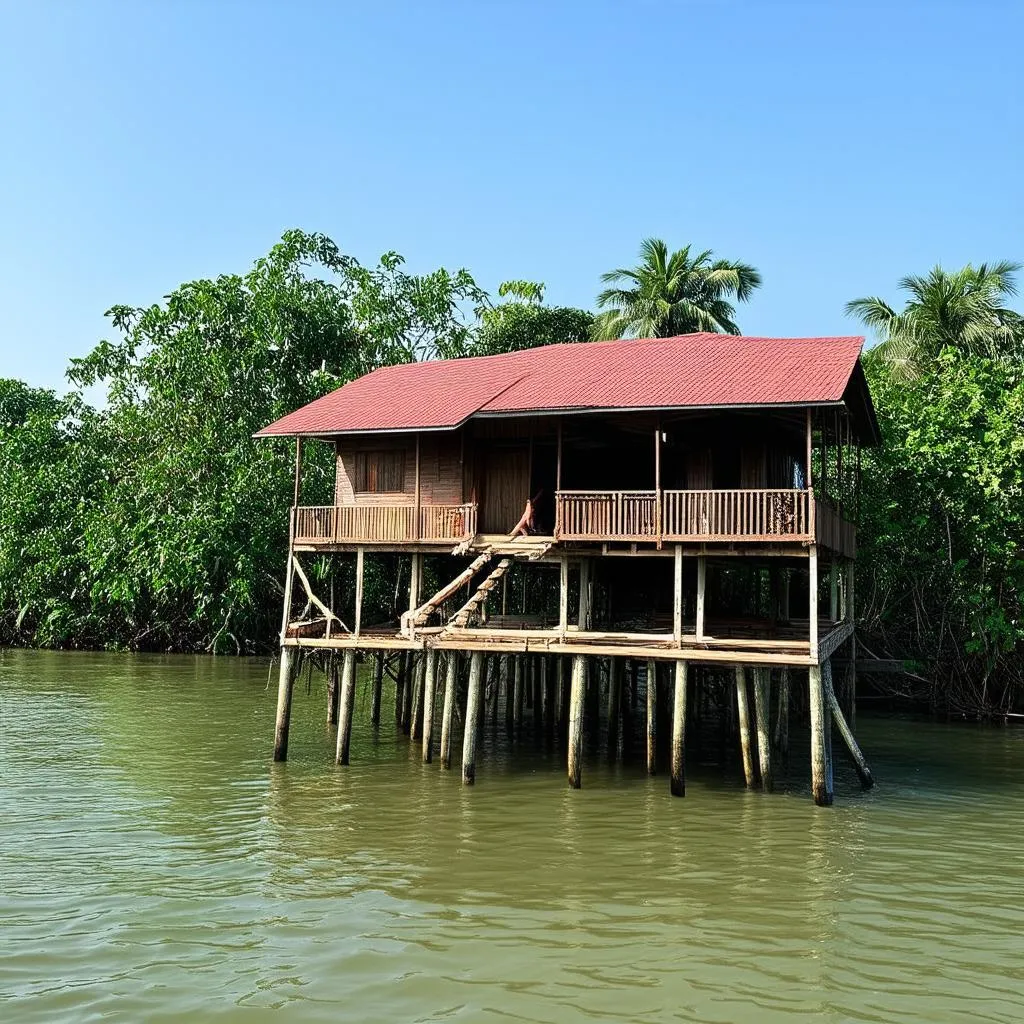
762, 717
576, 695
821, 761
286, 680
860, 763
652, 716
743, 714
429, 685
476, 671
702, 578
378, 685
347, 706
678, 780
450, 685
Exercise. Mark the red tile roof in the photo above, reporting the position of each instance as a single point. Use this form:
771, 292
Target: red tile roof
690, 371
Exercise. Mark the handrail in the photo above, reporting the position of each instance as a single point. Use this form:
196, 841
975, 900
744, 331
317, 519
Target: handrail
384, 524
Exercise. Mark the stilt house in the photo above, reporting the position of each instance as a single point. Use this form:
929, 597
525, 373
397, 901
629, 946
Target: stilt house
677, 502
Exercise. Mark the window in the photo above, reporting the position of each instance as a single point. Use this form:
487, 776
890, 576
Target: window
380, 472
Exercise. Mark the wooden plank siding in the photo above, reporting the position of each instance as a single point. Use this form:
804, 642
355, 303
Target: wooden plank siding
440, 470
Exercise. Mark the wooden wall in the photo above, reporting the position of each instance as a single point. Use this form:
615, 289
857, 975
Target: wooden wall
440, 469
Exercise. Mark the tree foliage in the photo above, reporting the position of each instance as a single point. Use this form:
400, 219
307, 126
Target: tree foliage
673, 293
964, 310
525, 322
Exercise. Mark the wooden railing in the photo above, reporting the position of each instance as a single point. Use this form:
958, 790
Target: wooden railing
721, 515
594, 515
384, 524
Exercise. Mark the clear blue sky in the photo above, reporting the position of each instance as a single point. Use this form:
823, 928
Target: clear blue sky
836, 146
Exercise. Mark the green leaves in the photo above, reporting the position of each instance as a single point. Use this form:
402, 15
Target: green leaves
673, 293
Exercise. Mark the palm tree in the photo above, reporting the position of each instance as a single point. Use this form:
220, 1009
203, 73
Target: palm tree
669, 294
964, 309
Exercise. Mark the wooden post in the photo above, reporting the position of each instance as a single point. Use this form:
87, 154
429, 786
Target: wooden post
652, 716
519, 689
821, 766
812, 597
416, 717
429, 685
416, 525
860, 763
743, 714
677, 597
784, 612
378, 684
476, 667
576, 693
401, 685
810, 452
333, 690
561, 692
678, 781
833, 582
415, 581
614, 705
583, 620
762, 717
702, 580
289, 576
285, 682
657, 483
348, 701
782, 717
451, 682
558, 458
359, 592
563, 595
298, 472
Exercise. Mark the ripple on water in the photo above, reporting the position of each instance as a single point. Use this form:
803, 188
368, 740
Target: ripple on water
156, 866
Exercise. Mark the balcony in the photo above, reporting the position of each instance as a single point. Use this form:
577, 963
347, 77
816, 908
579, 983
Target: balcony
384, 524
765, 516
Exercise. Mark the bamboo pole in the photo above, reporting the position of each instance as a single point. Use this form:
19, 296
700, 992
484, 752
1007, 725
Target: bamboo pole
378, 683
286, 680
762, 717
652, 716
348, 694
429, 685
476, 665
576, 695
450, 686
743, 714
821, 768
678, 779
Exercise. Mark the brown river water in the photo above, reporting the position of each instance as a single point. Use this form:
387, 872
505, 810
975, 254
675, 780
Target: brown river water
156, 866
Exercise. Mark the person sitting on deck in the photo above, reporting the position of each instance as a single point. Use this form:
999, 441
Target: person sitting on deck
527, 523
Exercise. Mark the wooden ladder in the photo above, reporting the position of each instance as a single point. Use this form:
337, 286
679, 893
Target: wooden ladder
462, 616
419, 616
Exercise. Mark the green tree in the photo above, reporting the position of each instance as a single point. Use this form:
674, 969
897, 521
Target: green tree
525, 322
942, 532
964, 310
673, 293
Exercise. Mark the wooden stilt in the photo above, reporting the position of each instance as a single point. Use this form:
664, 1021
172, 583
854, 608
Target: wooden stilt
416, 712
561, 694
347, 706
812, 599
743, 714
401, 685
782, 717
652, 716
762, 717
286, 680
519, 690
677, 596
614, 705
333, 690
821, 767
429, 683
378, 685
860, 763
476, 670
678, 780
702, 577
359, 592
508, 684
576, 694
451, 683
